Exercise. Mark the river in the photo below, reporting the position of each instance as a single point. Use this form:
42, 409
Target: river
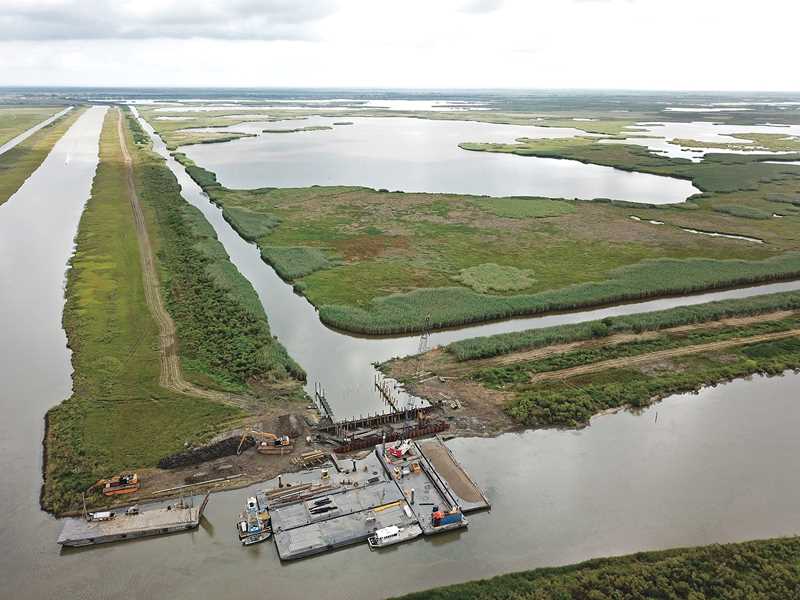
712, 467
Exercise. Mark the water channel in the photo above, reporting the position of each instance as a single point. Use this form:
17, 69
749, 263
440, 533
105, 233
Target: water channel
419, 155
712, 467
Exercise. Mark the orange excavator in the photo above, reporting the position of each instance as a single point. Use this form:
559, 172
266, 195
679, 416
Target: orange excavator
124, 483
266, 443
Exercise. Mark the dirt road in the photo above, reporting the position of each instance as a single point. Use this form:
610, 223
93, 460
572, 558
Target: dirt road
660, 355
171, 376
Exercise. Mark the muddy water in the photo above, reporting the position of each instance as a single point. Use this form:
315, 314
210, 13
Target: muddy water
711, 467
37, 227
29, 132
420, 155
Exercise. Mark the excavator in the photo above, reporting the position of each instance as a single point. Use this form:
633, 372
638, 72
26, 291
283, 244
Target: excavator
125, 483
266, 443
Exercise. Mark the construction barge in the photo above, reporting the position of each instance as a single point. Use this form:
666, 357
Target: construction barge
129, 524
394, 494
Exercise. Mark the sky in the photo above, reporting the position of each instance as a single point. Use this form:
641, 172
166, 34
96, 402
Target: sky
618, 44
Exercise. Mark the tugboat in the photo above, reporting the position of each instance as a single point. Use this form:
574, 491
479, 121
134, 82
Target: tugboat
253, 525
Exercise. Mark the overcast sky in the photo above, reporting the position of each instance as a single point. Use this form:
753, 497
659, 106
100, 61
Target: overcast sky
638, 44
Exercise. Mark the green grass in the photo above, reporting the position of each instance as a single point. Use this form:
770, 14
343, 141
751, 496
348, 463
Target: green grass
19, 163
378, 262
17, 119
224, 334
505, 343
573, 403
520, 372
649, 279
746, 212
759, 569
118, 417
295, 262
490, 277
521, 208
298, 129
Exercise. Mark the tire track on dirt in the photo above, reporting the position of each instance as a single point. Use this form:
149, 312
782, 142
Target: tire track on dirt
662, 355
171, 376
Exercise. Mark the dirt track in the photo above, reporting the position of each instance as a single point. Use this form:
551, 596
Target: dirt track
661, 355
171, 376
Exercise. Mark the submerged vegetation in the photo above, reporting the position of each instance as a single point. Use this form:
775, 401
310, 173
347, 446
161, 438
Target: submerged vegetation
18, 163
759, 569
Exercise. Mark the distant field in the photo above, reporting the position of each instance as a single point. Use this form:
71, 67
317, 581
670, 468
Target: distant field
17, 164
760, 569
16, 119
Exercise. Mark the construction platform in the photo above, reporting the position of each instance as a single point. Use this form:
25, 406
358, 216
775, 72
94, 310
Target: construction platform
119, 525
327, 508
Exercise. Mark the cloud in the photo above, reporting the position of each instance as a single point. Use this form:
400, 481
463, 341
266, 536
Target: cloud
143, 19
481, 6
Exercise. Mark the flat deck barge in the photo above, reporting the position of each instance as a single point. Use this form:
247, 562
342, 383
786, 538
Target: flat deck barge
118, 525
326, 508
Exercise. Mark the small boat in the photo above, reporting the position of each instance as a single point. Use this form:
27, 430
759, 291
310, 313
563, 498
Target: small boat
389, 536
254, 525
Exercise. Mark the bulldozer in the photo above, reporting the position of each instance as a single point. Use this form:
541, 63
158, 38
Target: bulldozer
266, 443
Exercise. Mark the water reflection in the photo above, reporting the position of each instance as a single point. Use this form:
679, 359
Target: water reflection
420, 155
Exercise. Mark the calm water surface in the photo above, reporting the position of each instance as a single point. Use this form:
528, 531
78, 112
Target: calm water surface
419, 155
712, 467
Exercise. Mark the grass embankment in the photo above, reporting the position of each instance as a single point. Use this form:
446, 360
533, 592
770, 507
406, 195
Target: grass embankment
17, 119
118, 416
561, 376
506, 343
224, 334
379, 263
17, 164
759, 569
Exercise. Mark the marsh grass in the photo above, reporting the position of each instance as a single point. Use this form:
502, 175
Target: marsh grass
759, 569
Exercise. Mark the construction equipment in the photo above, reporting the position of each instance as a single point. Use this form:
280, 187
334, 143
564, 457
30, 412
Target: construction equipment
124, 483
399, 449
266, 443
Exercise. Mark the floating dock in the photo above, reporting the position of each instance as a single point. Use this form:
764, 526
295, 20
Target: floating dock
327, 508
118, 525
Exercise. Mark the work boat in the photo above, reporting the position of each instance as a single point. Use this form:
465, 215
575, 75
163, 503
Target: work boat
254, 524
388, 536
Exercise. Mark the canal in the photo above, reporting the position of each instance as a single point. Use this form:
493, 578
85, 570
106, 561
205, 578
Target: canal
712, 467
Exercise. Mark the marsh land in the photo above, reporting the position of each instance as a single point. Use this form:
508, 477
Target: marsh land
206, 293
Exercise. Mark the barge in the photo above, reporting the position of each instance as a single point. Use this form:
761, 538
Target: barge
128, 524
